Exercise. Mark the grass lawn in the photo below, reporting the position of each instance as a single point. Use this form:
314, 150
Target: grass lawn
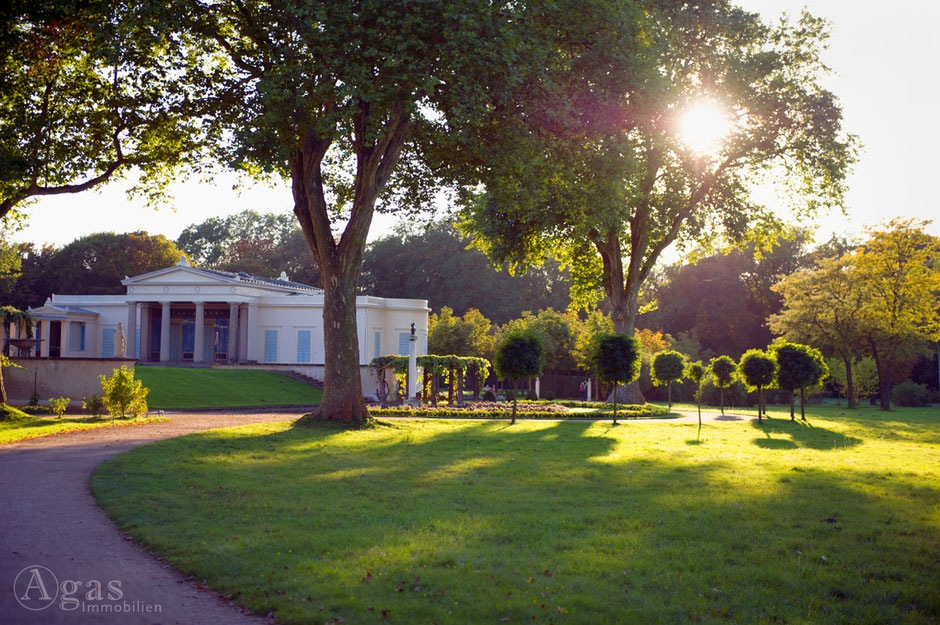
830, 521
174, 388
28, 426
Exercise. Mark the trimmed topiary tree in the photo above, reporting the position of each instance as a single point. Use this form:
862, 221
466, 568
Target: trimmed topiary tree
668, 367
616, 360
798, 366
696, 373
723, 368
519, 355
758, 370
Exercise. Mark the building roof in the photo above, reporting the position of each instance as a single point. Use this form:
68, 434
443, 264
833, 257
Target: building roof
282, 283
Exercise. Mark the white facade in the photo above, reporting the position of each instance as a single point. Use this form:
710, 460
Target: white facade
183, 314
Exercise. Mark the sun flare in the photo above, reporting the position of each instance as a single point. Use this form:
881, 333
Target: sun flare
703, 126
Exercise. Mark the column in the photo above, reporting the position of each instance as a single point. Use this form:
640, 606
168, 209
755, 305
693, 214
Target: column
66, 349
46, 331
165, 332
130, 339
254, 328
200, 334
233, 333
145, 324
411, 391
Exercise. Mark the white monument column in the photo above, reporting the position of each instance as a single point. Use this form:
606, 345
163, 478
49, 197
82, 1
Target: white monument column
200, 338
233, 332
144, 333
130, 341
412, 365
165, 332
254, 328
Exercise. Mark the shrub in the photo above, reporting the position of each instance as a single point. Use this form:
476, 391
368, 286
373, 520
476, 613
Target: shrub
33, 399
735, 394
59, 405
532, 395
510, 395
123, 394
910, 394
94, 405
548, 395
668, 367
519, 355
489, 396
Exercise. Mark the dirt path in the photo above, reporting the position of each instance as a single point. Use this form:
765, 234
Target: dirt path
48, 518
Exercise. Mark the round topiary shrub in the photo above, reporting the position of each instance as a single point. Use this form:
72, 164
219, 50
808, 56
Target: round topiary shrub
510, 395
532, 395
489, 396
549, 395
910, 394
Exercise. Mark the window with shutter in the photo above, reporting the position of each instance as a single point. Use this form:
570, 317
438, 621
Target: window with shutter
304, 338
270, 346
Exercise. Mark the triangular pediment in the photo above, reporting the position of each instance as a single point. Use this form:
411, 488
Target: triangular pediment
177, 275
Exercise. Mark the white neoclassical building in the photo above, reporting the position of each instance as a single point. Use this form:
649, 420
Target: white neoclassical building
183, 314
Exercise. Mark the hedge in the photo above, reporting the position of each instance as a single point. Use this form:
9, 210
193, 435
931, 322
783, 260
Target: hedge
628, 412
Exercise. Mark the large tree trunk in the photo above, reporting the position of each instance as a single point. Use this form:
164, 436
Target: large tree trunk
883, 367
342, 381
377, 144
849, 384
3, 389
623, 314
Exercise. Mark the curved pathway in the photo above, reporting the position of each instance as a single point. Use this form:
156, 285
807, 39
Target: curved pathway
49, 519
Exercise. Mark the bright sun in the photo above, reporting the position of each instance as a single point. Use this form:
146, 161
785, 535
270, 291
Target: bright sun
703, 126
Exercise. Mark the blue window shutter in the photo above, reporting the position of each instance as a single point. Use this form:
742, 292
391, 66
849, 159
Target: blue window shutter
403, 343
424, 343
378, 344
270, 346
303, 345
82, 332
137, 342
107, 343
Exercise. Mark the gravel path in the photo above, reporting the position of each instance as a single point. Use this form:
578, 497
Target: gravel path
48, 518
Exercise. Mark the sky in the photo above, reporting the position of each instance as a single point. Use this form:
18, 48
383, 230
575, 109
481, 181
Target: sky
885, 59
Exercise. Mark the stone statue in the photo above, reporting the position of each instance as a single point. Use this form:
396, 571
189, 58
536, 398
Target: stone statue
120, 341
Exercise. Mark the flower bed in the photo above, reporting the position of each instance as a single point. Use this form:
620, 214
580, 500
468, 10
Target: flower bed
525, 410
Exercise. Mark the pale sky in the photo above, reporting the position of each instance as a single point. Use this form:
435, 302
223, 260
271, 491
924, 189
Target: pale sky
885, 58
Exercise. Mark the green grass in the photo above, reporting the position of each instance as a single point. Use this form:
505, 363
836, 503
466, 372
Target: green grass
173, 388
24, 426
830, 521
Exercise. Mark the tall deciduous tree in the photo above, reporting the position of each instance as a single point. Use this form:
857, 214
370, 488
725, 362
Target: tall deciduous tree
899, 268
340, 97
825, 307
606, 170
87, 91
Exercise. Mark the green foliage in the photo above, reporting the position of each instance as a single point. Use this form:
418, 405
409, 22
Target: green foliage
519, 355
123, 394
436, 263
668, 366
610, 197
617, 359
798, 366
94, 405
723, 369
9, 413
864, 377
489, 396
629, 411
696, 371
59, 405
910, 394
87, 91
757, 369
558, 332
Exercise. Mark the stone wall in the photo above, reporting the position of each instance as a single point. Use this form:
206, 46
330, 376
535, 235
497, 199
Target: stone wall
59, 377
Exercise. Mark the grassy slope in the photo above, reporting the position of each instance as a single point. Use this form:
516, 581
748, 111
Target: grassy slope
28, 426
183, 388
834, 521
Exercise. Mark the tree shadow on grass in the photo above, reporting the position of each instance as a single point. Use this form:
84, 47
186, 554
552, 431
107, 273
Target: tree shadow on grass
559, 518
802, 434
